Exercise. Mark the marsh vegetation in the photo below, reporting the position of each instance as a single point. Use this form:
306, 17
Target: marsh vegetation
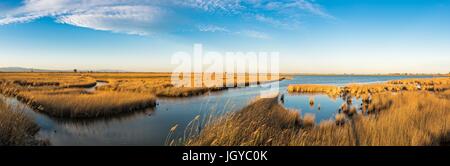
409, 118
160, 84
65, 94
16, 128
81, 104
401, 117
399, 112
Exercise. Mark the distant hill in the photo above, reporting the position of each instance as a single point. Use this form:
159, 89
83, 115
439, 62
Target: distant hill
23, 69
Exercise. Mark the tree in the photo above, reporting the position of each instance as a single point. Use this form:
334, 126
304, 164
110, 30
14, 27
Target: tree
75, 70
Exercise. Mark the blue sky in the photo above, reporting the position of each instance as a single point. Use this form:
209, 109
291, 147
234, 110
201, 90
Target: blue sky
312, 36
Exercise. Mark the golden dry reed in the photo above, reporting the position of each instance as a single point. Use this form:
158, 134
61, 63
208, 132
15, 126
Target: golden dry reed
363, 90
404, 119
51, 93
160, 84
15, 127
313, 88
65, 94
79, 104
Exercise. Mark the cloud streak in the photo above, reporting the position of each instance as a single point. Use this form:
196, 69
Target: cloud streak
120, 19
112, 15
144, 17
254, 34
212, 28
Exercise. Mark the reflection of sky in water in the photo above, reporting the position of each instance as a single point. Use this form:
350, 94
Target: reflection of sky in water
328, 106
151, 127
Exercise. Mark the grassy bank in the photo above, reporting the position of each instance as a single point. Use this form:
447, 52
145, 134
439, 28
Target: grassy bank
361, 90
407, 118
54, 80
253, 125
65, 94
80, 104
160, 84
16, 128
313, 88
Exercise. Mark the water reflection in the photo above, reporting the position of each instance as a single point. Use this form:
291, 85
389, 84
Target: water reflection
324, 106
98, 84
86, 122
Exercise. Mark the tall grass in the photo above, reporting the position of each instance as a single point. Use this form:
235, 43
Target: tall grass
423, 81
15, 127
363, 90
79, 104
65, 95
312, 88
244, 128
404, 119
160, 83
359, 90
33, 80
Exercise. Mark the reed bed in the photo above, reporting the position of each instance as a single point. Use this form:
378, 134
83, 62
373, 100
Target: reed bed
244, 128
66, 94
406, 119
158, 84
80, 104
364, 90
426, 84
63, 80
77, 102
445, 94
340, 119
359, 90
309, 120
16, 128
423, 81
161, 85
314, 88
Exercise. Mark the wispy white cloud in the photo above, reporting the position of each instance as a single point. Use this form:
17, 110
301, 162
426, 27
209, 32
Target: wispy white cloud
246, 33
211, 28
108, 15
254, 34
311, 7
213, 5
143, 17
299, 5
121, 19
22, 19
280, 23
